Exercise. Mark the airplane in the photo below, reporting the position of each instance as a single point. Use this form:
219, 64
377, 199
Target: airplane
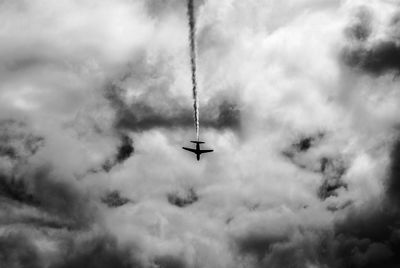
197, 151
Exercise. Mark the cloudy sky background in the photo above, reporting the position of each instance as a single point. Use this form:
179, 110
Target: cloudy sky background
299, 100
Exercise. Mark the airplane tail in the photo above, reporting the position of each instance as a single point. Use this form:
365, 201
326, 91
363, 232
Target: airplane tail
197, 142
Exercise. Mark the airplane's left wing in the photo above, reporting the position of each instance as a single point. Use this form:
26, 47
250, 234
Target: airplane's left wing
189, 149
206, 151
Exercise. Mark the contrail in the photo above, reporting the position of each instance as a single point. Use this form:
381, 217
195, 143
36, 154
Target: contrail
192, 31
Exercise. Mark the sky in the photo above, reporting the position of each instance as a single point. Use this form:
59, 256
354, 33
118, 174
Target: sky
298, 98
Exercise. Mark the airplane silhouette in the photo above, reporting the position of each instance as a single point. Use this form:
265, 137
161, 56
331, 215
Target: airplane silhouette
197, 151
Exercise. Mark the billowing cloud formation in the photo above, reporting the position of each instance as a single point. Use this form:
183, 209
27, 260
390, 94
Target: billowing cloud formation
140, 115
299, 100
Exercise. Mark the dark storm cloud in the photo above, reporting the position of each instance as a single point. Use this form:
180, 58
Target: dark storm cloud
17, 251
43, 222
99, 252
42, 190
114, 199
16, 190
220, 113
8, 151
393, 183
259, 245
370, 237
60, 198
34, 186
61, 206
104, 251
170, 262
183, 200
311, 247
381, 58
37, 187
37, 198
375, 58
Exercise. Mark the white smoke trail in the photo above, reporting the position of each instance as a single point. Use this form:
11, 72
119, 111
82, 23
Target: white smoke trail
192, 31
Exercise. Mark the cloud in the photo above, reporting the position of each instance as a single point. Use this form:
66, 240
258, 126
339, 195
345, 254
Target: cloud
297, 99
376, 56
170, 262
124, 151
393, 179
333, 170
259, 246
141, 115
180, 200
17, 142
381, 58
41, 191
361, 27
368, 238
114, 199
18, 251
102, 251
16, 190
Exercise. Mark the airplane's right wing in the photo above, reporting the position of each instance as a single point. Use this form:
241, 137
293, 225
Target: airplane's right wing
206, 151
189, 149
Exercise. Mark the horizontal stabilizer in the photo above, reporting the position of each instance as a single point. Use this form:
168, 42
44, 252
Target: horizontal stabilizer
199, 142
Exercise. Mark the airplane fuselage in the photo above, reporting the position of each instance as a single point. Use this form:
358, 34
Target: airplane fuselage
197, 150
